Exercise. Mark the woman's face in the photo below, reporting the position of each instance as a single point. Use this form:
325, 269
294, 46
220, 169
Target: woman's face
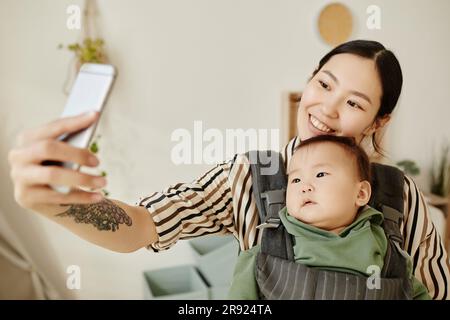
342, 99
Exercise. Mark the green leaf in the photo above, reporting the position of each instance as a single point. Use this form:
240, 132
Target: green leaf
440, 173
73, 47
409, 167
94, 147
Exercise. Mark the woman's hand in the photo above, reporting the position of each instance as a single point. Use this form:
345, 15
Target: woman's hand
32, 179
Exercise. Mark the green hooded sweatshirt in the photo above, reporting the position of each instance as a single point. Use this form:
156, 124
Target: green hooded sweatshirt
360, 245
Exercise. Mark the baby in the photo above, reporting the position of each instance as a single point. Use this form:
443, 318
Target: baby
328, 184
327, 215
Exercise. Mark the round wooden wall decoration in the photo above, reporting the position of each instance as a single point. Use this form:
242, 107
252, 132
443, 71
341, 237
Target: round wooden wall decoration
335, 23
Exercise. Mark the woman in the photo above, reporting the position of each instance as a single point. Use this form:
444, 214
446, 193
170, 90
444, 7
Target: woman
352, 93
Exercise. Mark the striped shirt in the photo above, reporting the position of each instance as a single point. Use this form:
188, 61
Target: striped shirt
221, 202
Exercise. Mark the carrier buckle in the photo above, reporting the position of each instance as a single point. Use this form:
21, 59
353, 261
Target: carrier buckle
269, 223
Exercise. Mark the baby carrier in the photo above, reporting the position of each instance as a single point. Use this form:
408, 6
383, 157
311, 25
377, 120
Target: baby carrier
280, 277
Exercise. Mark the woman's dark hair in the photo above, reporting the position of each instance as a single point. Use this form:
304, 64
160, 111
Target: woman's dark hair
362, 162
388, 68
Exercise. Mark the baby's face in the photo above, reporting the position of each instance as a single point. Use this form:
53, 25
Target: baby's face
323, 187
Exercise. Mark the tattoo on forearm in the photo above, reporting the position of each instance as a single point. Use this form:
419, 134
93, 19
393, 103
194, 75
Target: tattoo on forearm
104, 215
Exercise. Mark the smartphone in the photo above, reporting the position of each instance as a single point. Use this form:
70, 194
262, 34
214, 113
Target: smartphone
89, 92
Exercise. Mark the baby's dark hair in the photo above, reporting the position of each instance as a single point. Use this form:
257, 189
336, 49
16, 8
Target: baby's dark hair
350, 146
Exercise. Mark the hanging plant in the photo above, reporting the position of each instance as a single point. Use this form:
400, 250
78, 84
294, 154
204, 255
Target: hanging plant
91, 47
90, 50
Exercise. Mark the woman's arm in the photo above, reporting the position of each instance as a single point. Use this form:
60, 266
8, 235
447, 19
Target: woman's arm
182, 211
424, 244
109, 223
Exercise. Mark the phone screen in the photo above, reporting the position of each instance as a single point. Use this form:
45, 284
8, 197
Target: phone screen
88, 93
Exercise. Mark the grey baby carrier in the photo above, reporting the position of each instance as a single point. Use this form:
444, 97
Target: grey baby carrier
280, 277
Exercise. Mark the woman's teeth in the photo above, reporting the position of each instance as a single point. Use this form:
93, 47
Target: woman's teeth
320, 125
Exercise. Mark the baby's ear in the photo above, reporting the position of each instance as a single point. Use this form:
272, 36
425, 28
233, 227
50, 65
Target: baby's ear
364, 193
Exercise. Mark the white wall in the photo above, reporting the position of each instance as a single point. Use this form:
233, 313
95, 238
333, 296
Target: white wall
222, 62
